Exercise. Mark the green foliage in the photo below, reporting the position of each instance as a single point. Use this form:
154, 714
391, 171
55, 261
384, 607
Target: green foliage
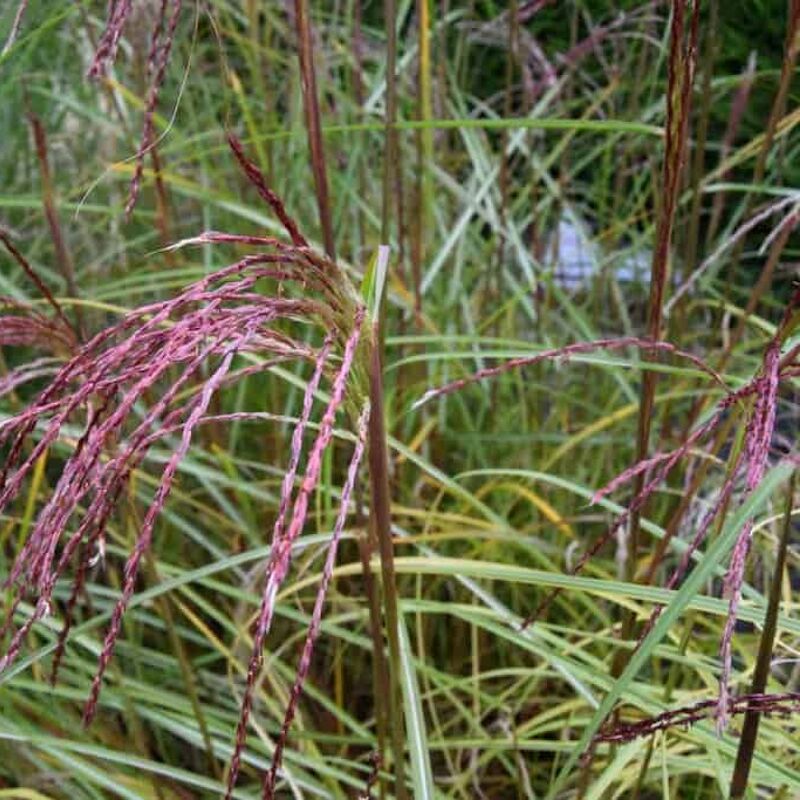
491, 486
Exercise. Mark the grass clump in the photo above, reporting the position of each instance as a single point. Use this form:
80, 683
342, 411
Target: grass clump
398, 399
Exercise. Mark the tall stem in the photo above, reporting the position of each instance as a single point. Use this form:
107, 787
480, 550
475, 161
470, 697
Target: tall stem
424, 153
681, 73
747, 741
381, 522
390, 156
698, 162
308, 79
392, 189
63, 257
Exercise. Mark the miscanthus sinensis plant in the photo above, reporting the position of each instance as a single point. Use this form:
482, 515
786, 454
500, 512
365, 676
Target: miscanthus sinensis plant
151, 378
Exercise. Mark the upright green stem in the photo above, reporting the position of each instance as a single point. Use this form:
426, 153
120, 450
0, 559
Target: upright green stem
424, 152
747, 741
381, 521
380, 669
367, 543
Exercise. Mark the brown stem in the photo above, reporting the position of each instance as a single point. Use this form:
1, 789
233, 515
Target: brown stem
698, 162
308, 80
681, 73
390, 13
162, 204
359, 93
381, 521
63, 257
367, 545
424, 154
747, 741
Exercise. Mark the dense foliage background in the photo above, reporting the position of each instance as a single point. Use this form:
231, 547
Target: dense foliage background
523, 203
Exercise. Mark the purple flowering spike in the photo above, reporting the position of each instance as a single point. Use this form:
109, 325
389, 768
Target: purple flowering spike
784, 703
757, 442
258, 180
280, 554
567, 352
146, 532
157, 60
118, 12
303, 667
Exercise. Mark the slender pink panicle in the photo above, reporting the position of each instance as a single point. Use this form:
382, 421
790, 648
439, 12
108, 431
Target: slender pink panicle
280, 553
146, 532
106, 52
567, 352
97, 370
667, 459
216, 317
161, 42
277, 534
258, 180
222, 331
303, 667
157, 61
89, 447
783, 704
297, 440
300, 263
757, 444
